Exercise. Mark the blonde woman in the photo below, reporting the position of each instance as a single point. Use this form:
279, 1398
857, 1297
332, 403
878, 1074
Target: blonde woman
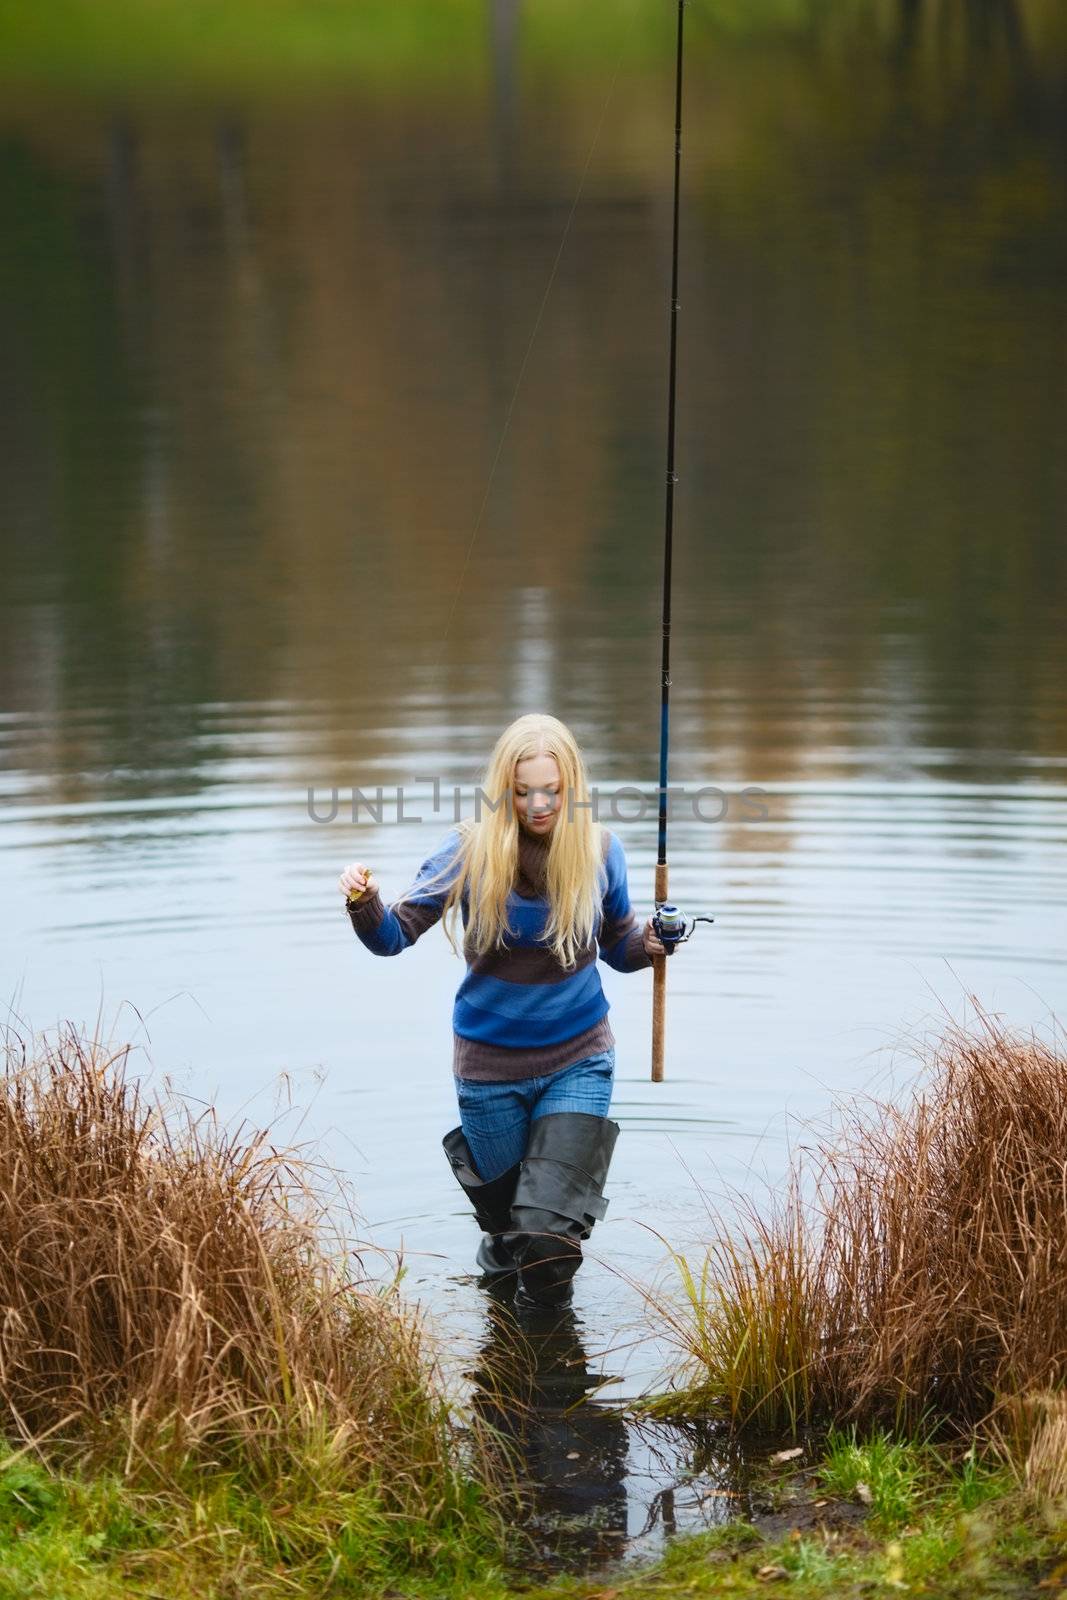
540, 885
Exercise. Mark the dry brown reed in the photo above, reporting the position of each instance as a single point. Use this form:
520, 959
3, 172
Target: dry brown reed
174, 1287
917, 1265
1030, 1432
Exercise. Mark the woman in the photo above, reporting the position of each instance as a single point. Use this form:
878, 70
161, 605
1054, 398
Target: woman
540, 886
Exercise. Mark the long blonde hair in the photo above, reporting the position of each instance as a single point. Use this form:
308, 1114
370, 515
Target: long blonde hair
484, 863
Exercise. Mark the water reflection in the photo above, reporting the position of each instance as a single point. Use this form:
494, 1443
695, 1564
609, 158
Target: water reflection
531, 1382
976, 33
258, 362
598, 1484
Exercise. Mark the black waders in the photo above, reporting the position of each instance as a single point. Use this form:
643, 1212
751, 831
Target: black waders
538, 1213
491, 1202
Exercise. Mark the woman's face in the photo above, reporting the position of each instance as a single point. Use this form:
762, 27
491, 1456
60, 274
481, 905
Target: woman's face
537, 793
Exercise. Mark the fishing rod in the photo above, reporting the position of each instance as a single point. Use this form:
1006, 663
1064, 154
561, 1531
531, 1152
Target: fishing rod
671, 926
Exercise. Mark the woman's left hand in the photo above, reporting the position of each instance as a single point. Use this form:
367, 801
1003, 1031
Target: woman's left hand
652, 941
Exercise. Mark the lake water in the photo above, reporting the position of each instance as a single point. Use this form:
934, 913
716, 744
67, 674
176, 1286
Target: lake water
333, 428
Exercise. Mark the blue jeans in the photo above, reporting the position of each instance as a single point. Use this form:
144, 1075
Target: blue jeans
496, 1117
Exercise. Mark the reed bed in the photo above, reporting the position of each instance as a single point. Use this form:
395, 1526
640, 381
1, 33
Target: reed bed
915, 1268
175, 1301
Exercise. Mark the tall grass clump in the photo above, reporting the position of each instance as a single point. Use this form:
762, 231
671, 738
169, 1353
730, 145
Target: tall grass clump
176, 1305
916, 1264
749, 1318
1031, 1433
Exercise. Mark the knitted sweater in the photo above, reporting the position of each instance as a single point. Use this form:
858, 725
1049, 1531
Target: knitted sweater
519, 1013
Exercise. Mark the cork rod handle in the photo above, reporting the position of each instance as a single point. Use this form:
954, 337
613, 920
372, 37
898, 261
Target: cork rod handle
659, 986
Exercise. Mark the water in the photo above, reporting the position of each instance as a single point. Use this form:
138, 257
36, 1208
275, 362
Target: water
307, 484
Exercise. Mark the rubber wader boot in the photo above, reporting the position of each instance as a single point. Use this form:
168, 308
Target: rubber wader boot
558, 1197
492, 1205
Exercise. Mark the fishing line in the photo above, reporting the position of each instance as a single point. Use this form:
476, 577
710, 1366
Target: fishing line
530, 344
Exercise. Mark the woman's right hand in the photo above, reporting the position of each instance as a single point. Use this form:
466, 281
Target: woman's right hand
358, 880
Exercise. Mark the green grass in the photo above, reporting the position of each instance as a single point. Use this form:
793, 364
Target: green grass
950, 1526
63, 1534
243, 44
889, 1475
899, 1479
937, 1524
284, 45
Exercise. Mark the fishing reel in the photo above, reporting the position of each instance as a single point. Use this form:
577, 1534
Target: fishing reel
672, 928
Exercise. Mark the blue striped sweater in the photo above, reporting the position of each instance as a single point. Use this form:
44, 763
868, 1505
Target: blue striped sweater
518, 1012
